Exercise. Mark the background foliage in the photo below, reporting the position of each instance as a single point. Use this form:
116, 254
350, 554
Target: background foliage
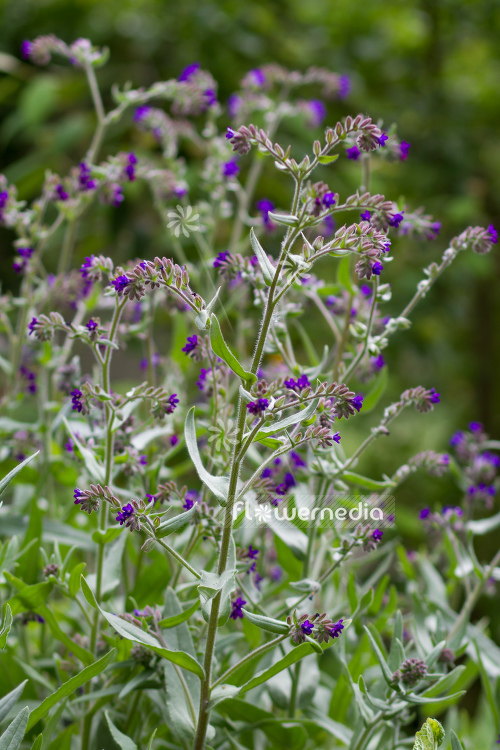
431, 65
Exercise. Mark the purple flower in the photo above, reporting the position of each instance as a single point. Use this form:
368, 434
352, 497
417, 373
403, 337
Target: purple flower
336, 629
32, 326
190, 498
377, 268
475, 426
328, 200
256, 77
353, 153
143, 460
26, 49
84, 180
298, 461
404, 150
201, 379
382, 139
377, 535
174, 440
86, 266
396, 220
264, 206
344, 86
317, 111
366, 216
237, 608
211, 97
191, 345
435, 228
221, 258
76, 400
141, 112
130, 168
61, 193
91, 325
259, 406
493, 234
307, 627
424, 513
189, 72
230, 168
357, 402
171, 403
233, 106
457, 438
70, 446
366, 290
252, 553
336, 436
79, 495
125, 513
328, 226
30, 376
120, 283
434, 397
378, 362
229, 134
299, 384
276, 573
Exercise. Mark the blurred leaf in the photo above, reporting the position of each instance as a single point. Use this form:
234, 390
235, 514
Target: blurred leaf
4, 483
123, 742
12, 738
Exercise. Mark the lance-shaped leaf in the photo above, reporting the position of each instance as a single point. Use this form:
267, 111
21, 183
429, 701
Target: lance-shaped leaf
7, 479
369, 484
287, 219
69, 687
282, 424
202, 320
123, 742
484, 525
430, 737
455, 742
328, 159
12, 738
218, 486
380, 657
267, 268
172, 622
222, 350
176, 523
10, 700
6, 626
133, 633
267, 623
297, 653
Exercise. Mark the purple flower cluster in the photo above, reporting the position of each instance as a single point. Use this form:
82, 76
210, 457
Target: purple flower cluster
264, 206
85, 182
259, 406
237, 606
76, 400
297, 385
191, 345
30, 377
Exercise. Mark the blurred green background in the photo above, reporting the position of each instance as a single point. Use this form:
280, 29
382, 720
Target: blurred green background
432, 66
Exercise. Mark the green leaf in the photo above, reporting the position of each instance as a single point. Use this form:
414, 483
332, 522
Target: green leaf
69, 687
377, 391
37, 745
95, 470
344, 275
4, 483
6, 626
10, 700
29, 597
267, 268
133, 633
12, 738
297, 653
267, 623
445, 683
104, 537
287, 219
430, 737
369, 484
328, 159
85, 656
299, 416
455, 742
172, 622
218, 486
222, 693
484, 525
380, 657
222, 350
74, 578
112, 566
150, 743
123, 742
176, 523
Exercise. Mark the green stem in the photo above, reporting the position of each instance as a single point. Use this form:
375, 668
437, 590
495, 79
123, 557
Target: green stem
237, 457
252, 655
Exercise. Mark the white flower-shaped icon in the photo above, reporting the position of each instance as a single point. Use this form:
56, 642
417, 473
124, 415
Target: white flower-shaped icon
224, 433
183, 220
262, 513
